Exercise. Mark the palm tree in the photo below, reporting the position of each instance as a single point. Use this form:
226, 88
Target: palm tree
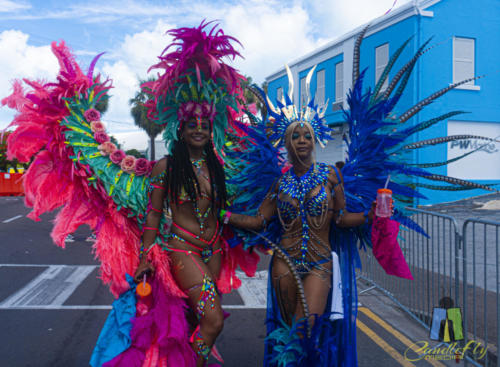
262, 106
102, 105
140, 114
251, 98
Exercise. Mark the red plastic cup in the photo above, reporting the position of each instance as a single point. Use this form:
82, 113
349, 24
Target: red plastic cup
384, 203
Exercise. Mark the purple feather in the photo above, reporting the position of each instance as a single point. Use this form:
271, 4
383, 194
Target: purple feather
90, 73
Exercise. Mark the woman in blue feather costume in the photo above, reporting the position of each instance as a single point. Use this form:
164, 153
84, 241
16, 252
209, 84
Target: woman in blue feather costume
305, 323
313, 216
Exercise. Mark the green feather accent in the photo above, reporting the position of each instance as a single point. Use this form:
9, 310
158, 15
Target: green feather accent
123, 188
129, 183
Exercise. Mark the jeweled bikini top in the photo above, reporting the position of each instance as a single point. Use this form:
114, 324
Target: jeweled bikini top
297, 188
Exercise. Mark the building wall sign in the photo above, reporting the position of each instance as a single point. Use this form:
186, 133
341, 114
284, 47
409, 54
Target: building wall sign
484, 164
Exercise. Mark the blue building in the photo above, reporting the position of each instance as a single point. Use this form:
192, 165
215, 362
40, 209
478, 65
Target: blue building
466, 40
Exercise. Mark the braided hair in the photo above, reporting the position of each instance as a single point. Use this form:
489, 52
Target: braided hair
180, 174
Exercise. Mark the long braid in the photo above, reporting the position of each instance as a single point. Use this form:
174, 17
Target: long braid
180, 174
217, 177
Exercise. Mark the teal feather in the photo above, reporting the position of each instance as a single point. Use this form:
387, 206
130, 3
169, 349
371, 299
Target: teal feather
426, 124
445, 139
387, 69
437, 164
446, 188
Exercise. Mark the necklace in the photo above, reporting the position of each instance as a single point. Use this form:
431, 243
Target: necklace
297, 188
198, 163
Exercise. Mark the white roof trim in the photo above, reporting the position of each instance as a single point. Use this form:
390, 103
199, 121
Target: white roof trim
417, 7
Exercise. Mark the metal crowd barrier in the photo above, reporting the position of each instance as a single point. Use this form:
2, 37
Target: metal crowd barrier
460, 265
481, 293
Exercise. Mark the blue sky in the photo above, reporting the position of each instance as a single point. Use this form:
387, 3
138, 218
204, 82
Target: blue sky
132, 33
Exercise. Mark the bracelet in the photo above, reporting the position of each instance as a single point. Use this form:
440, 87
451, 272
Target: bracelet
155, 210
222, 213
151, 228
365, 214
340, 215
141, 251
225, 215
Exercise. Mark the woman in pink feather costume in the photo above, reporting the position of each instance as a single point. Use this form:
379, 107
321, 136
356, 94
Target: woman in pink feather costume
189, 183
179, 239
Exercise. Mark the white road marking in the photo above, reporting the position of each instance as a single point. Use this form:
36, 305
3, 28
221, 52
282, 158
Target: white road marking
12, 219
253, 290
51, 288
27, 265
57, 307
100, 307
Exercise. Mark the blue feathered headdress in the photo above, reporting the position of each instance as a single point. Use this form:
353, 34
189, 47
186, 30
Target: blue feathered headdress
287, 113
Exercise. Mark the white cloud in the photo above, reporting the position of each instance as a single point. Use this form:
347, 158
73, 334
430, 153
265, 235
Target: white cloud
125, 84
271, 35
96, 11
141, 50
271, 32
335, 18
20, 60
132, 140
132, 58
7, 6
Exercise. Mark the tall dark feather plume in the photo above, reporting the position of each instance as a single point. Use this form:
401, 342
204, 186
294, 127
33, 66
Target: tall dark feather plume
458, 182
408, 67
355, 62
446, 188
387, 69
415, 109
445, 139
437, 164
426, 124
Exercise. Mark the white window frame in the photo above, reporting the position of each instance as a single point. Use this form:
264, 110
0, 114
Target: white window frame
320, 88
380, 65
303, 94
469, 59
339, 82
279, 94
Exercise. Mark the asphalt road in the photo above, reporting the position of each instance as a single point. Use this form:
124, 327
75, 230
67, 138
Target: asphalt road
52, 305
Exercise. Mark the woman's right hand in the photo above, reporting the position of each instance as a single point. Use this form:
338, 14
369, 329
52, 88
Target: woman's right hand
144, 268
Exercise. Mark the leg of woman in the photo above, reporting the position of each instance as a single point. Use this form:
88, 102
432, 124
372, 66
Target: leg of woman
197, 280
215, 263
317, 286
285, 289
